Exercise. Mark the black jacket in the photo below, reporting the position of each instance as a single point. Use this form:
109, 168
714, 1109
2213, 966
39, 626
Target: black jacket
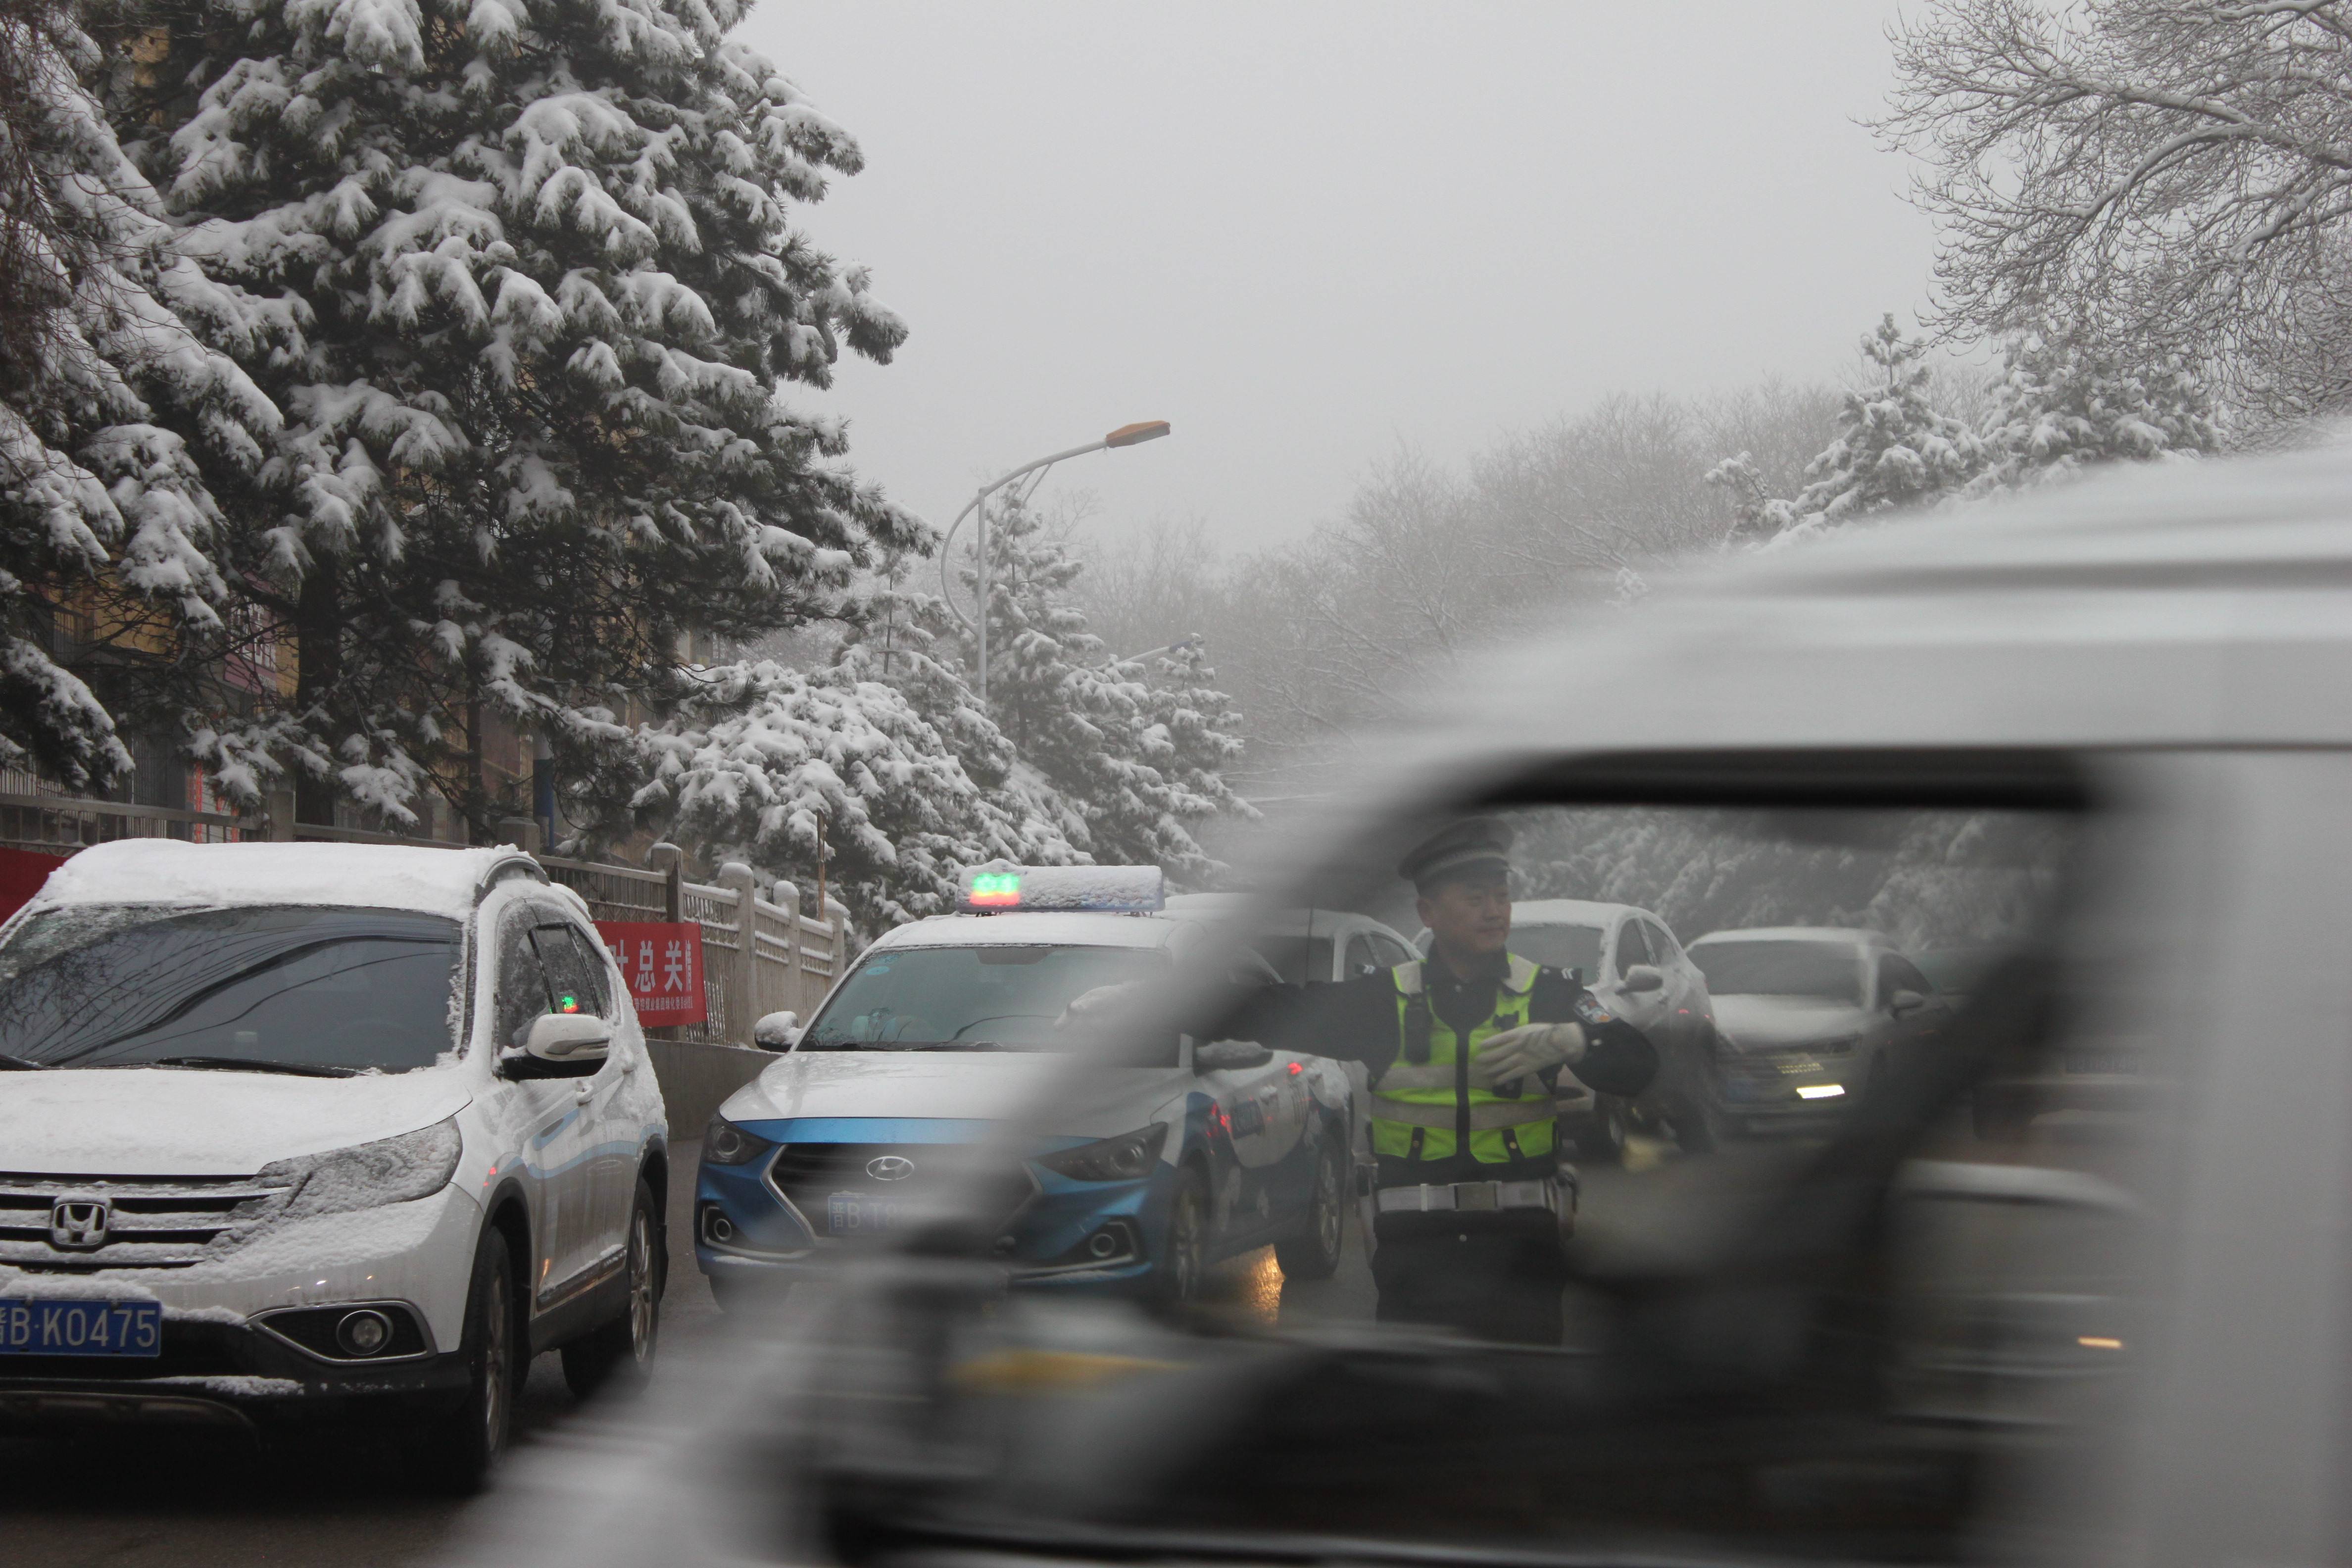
1355, 1020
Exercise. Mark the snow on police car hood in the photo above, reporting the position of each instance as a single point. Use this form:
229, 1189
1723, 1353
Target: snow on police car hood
171, 1122
929, 1085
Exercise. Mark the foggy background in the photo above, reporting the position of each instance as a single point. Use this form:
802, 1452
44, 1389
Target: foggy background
1309, 234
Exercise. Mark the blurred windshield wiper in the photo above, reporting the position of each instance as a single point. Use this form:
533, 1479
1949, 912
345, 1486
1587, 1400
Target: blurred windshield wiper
21, 1064
247, 1064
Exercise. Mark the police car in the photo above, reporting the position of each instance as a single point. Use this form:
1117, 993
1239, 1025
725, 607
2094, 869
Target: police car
946, 1027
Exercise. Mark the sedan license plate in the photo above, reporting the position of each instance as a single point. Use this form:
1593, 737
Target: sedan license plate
861, 1213
81, 1328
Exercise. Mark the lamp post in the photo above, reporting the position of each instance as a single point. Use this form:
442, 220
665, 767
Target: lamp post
1125, 435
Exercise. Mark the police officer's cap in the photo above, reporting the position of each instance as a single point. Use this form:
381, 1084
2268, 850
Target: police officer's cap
1475, 846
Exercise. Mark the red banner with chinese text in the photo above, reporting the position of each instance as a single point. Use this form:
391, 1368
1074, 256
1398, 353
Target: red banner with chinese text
661, 963
22, 872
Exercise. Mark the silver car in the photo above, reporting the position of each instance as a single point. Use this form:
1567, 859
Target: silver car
1811, 1021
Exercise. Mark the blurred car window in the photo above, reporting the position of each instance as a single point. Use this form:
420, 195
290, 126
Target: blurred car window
972, 998
1300, 959
1360, 955
1564, 947
1773, 968
1896, 972
1632, 947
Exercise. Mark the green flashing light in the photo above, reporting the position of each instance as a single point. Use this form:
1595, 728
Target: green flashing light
567, 1004
995, 889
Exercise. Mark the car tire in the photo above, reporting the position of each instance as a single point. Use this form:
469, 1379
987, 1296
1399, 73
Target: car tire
1314, 1252
455, 1454
1184, 1261
619, 1357
1599, 1134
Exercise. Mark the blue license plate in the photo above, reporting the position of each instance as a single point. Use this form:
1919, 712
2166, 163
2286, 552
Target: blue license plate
81, 1328
860, 1214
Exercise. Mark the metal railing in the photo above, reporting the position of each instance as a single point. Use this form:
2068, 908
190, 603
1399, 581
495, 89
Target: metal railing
759, 956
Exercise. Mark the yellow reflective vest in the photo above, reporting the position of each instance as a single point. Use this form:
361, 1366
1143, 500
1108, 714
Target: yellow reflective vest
1416, 1105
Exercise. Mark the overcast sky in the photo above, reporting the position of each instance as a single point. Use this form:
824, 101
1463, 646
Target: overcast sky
1304, 232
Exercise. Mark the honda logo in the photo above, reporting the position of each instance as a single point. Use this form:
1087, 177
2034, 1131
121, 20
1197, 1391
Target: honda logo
78, 1224
890, 1168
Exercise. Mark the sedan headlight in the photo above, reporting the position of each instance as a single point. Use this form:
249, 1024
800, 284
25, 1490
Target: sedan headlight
369, 1176
724, 1144
1121, 1158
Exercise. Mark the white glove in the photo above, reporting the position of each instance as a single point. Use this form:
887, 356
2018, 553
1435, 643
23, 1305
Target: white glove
1530, 1048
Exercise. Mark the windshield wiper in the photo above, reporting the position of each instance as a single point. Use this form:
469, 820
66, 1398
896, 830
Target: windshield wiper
247, 1064
21, 1064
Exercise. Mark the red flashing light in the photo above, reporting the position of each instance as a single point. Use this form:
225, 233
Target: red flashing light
1296, 1069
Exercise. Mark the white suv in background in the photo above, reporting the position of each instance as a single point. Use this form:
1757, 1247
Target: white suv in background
303, 1132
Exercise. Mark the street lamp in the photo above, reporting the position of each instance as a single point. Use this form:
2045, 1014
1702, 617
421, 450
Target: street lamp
1125, 435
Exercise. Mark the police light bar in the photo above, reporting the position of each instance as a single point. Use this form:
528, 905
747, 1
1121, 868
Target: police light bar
1100, 889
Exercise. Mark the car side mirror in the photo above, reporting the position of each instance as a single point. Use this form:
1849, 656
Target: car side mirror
1904, 1003
1228, 1055
777, 1031
559, 1045
1644, 978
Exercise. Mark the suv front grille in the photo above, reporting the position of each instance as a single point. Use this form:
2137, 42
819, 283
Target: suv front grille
153, 1222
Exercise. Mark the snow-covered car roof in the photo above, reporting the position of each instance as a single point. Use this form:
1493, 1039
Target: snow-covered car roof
363, 875
1041, 929
1831, 936
1570, 913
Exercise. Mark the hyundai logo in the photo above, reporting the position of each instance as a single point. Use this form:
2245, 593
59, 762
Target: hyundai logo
890, 1167
78, 1224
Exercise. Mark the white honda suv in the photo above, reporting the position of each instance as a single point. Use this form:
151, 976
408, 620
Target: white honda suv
298, 1132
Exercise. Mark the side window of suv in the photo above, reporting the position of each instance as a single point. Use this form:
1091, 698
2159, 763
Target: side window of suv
1631, 947
522, 991
1359, 959
1897, 972
1391, 951
574, 970
1662, 942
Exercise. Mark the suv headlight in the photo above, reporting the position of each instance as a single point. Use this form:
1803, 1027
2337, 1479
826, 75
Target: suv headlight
724, 1144
369, 1176
1121, 1158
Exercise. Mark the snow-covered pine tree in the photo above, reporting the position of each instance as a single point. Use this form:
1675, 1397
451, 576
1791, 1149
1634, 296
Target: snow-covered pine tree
1137, 752
1893, 448
2064, 404
774, 765
551, 296
117, 421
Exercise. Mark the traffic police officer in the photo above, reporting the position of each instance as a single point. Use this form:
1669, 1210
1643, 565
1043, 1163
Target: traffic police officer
1464, 1051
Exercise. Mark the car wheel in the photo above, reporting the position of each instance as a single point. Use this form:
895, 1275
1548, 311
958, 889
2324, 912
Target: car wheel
456, 1452
1314, 1252
1600, 1135
1185, 1265
620, 1355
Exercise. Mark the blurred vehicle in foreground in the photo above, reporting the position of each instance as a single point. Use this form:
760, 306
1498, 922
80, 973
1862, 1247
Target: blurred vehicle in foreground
2107, 732
1813, 1022
1180, 1153
308, 1132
